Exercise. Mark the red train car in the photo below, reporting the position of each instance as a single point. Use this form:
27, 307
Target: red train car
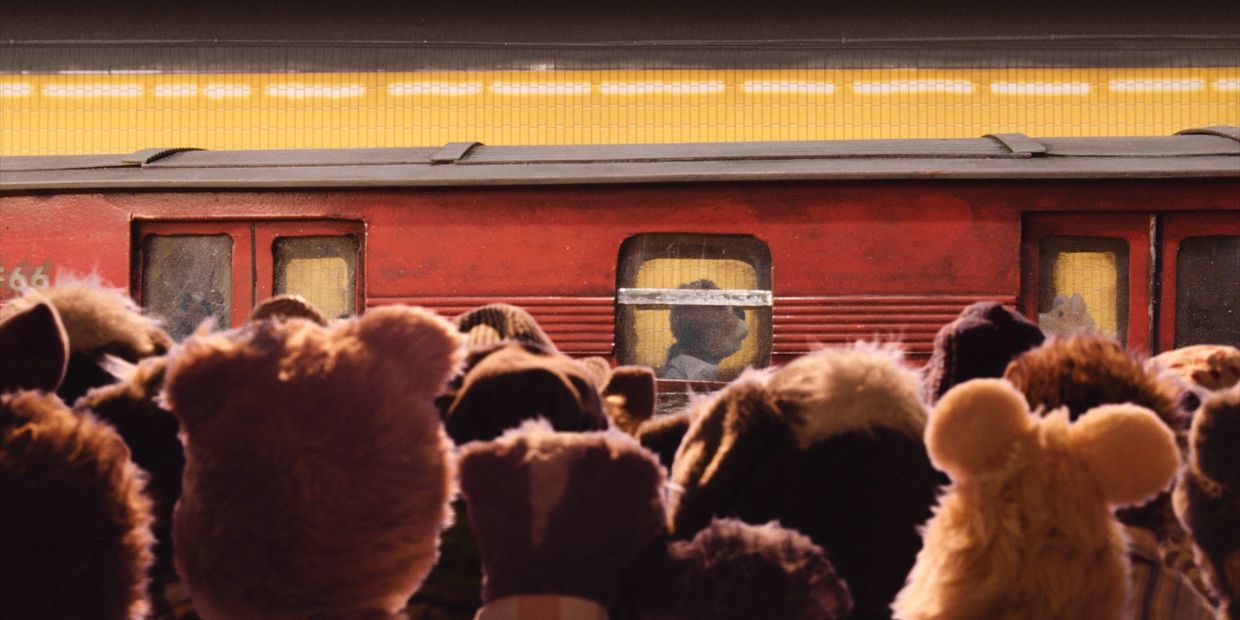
767, 249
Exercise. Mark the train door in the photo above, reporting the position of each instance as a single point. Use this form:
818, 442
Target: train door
186, 272
1154, 281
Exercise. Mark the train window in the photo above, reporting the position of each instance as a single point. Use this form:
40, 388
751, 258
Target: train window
186, 279
694, 307
1084, 285
1207, 303
321, 269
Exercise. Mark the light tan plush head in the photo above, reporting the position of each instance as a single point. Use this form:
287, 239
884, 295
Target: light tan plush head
1027, 530
317, 471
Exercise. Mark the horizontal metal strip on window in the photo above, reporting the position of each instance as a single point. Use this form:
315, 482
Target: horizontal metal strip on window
693, 297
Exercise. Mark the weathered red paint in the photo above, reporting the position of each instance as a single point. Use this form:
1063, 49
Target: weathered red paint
846, 256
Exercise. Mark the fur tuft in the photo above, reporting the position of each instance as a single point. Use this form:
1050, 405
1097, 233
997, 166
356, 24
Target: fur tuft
98, 319
856, 388
75, 532
560, 513
317, 471
784, 575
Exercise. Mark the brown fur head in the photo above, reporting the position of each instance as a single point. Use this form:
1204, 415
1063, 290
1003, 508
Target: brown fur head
1026, 531
560, 513
709, 333
283, 307
75, 532
317, 471
1208, 496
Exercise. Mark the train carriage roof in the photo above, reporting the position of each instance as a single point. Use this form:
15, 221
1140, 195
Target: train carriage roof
1195, 153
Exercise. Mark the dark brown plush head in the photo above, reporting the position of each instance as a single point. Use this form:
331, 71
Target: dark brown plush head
100, 322
34, 349
317, 471
150, 431
663, 434
736, 571
560, 513
830, 445
978, 344
288, 307
1086, 371
1208, 496
491, 324
74, 526
515, 382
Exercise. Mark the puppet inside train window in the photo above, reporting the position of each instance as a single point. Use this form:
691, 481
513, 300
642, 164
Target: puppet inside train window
1084, 286
694, 307
1207, 306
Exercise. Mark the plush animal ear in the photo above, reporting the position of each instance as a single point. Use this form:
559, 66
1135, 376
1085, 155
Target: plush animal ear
34, 350
1131, 453
417, 339
973, 426
635, 385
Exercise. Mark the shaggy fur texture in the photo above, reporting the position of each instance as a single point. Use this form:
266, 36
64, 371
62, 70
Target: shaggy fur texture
829, 445
317, 472
99, 321
74, 526
560, 513
514, 382
1083, 372
34, 350
736, 571
1025, 531
151, 432
1208, 497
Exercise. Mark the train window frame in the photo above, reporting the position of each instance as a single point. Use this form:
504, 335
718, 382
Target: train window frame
637, 249
1175, 229
253, 258
1131, 228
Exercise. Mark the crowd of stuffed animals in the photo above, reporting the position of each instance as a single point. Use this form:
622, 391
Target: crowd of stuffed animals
401, 465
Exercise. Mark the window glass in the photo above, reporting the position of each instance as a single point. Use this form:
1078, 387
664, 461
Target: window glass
1207, 296
694, 307
1084, 286
321, 269
186, 279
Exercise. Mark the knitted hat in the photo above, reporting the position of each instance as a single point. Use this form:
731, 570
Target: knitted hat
75, 531
317, 471
829, 445
487, 325
34, 349
1208, 496
563, 514
979, 343
513, 382
736, 571
287, 307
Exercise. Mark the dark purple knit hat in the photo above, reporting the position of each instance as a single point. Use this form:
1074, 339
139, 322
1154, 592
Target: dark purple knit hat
978, 344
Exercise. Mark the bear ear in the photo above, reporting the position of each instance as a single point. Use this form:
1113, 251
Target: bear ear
1130, 452
422, 346
973, 426
34, 350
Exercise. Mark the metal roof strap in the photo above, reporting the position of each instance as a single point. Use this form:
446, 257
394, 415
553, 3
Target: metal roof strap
1019, 144
1222, 131
453, 152
146, 157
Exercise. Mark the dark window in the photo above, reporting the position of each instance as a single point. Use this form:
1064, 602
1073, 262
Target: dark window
186, 279
1084, 286
321, 269
694, 307
1207, 298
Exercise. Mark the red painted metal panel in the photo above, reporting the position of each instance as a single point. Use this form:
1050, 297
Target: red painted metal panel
63, 235
1177, 227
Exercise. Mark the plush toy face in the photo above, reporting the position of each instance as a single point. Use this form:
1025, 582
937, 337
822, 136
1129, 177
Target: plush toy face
709, 333
317, 472
1066, 316
1026, 528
